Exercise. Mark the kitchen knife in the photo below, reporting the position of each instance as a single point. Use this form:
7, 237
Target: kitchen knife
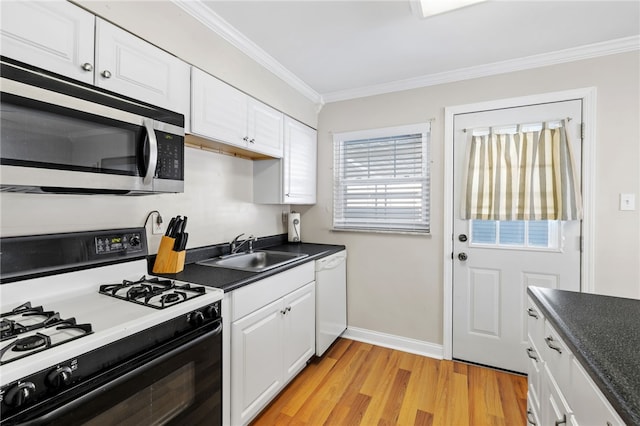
170, 227
183, 244
176, 227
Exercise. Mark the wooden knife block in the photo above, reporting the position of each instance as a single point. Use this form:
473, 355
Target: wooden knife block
167, 260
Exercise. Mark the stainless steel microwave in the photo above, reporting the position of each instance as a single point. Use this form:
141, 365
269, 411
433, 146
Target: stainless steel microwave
61, 136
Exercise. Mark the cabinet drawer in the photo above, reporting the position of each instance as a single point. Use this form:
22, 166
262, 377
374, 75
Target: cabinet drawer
556, 356
251, 297
554, 407
534, 373
535, 326
532, 413
588, 403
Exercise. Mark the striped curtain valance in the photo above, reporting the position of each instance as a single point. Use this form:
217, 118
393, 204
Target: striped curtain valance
524, 175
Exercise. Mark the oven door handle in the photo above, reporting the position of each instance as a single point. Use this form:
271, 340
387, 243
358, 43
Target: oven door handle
72, 405
153, 151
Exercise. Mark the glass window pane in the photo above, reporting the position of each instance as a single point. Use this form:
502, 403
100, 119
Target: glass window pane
539, 233
483, 231
512, 232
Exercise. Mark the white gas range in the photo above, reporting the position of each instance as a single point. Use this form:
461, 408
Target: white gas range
81, 316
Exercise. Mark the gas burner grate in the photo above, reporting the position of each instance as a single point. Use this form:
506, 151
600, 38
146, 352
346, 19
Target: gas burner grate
153, 292
45, 338
24, 318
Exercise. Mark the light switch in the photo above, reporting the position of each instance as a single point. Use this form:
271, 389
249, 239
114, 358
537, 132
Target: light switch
627, 201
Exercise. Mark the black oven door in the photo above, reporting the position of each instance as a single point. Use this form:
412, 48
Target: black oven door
180, 387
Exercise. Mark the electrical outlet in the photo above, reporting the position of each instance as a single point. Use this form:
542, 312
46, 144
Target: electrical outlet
156, 228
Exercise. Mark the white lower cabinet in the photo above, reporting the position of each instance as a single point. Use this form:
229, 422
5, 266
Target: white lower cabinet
272, 343
560, 392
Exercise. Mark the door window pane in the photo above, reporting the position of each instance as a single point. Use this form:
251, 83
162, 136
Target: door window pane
539, 234
512, 233
483, 231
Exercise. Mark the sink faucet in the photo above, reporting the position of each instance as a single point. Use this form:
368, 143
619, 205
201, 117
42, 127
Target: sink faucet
236, 245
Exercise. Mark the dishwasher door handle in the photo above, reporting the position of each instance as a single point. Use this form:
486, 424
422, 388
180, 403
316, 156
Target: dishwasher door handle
331, 263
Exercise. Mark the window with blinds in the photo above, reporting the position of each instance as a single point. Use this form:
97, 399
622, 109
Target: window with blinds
381, 180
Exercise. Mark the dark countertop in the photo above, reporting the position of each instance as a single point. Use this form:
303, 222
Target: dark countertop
603, 332
230, 279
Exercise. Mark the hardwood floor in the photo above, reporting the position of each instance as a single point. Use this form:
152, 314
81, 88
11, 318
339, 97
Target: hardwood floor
356, 383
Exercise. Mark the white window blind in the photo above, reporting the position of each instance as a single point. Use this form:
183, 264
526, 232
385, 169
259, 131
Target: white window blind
381, 180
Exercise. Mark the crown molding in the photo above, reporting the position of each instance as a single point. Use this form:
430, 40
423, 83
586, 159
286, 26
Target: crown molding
621, 45
215, 23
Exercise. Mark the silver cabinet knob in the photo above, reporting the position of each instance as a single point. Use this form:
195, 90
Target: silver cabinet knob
252, 141
462, 256
87, 66
246, 139
106, 74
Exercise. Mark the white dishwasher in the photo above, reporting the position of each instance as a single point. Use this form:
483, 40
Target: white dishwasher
331, 299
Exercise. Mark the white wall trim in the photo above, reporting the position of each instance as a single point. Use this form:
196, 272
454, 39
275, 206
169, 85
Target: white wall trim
405, 344
611, 47
215, 23
588, 96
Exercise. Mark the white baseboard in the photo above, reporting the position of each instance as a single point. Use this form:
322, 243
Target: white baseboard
391, 341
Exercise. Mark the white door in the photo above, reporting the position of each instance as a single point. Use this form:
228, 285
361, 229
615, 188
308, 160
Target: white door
495, 261
299, 329
130, 66
54, 35
218, 110
265, 128
256, 368
300, 163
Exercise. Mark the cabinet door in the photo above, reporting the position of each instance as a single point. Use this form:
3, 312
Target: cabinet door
132, 67
588, 403
553, 406
300, 158
256, 366
299, 329
56, 36
265, 128
218, 110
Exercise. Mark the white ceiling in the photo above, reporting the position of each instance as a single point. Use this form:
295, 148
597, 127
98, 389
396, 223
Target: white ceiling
340, 49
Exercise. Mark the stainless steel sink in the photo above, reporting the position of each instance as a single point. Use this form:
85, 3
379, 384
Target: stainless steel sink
256, 261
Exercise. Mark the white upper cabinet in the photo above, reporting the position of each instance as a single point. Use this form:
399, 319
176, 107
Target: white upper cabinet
300, 163
129, 65
58, 36
225, 114
264, 128
218, 111
291, 180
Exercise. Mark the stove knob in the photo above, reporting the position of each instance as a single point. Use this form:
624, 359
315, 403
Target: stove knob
59, 378
20, 394
212, 312
134, 241
196, 318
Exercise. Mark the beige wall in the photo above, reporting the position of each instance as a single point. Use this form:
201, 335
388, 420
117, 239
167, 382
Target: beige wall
218, 199
172, 29
395, 281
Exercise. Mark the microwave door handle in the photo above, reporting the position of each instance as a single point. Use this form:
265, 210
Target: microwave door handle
153, 151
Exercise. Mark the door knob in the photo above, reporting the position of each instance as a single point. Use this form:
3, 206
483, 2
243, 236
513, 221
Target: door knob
106, 74
462, 256
462, 237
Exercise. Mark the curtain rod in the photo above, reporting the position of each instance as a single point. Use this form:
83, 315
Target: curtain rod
512, 125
